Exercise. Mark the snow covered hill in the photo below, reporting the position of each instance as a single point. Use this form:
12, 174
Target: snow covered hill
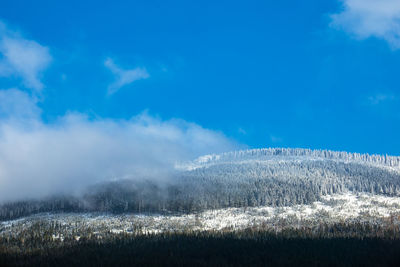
284, 177
269, 189
290, 154
273, 177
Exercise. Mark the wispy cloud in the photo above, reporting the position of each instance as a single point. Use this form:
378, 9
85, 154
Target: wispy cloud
382, 103
380, 98
22, 58
275, 139
370, 18
242, 131
123, 76
17, 105
75, 151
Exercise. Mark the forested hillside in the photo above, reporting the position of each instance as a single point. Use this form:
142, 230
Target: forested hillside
261, 177
329, 245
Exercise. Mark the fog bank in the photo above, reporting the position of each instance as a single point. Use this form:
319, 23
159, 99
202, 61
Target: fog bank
39, 159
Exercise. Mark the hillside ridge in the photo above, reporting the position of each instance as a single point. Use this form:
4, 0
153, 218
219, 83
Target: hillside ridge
284, 153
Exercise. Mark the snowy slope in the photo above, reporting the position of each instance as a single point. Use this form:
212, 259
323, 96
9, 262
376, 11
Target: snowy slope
267, 188
362, 208
289, 154
274, 177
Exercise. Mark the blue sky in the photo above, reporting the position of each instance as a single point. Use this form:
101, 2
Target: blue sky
313, 74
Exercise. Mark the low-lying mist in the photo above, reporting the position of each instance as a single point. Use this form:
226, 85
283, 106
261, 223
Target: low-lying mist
39, 159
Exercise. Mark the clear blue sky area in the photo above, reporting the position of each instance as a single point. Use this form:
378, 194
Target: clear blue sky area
288, 73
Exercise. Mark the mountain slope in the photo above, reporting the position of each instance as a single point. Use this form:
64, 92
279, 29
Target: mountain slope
259, 177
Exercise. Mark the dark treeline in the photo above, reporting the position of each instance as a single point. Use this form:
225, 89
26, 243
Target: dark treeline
330, 245
243, 184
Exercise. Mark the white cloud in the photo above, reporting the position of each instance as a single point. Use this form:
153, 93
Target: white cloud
38, 158
124, 77
22, 58
370, 18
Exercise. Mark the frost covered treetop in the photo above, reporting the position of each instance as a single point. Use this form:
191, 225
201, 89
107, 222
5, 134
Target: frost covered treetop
289, 153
